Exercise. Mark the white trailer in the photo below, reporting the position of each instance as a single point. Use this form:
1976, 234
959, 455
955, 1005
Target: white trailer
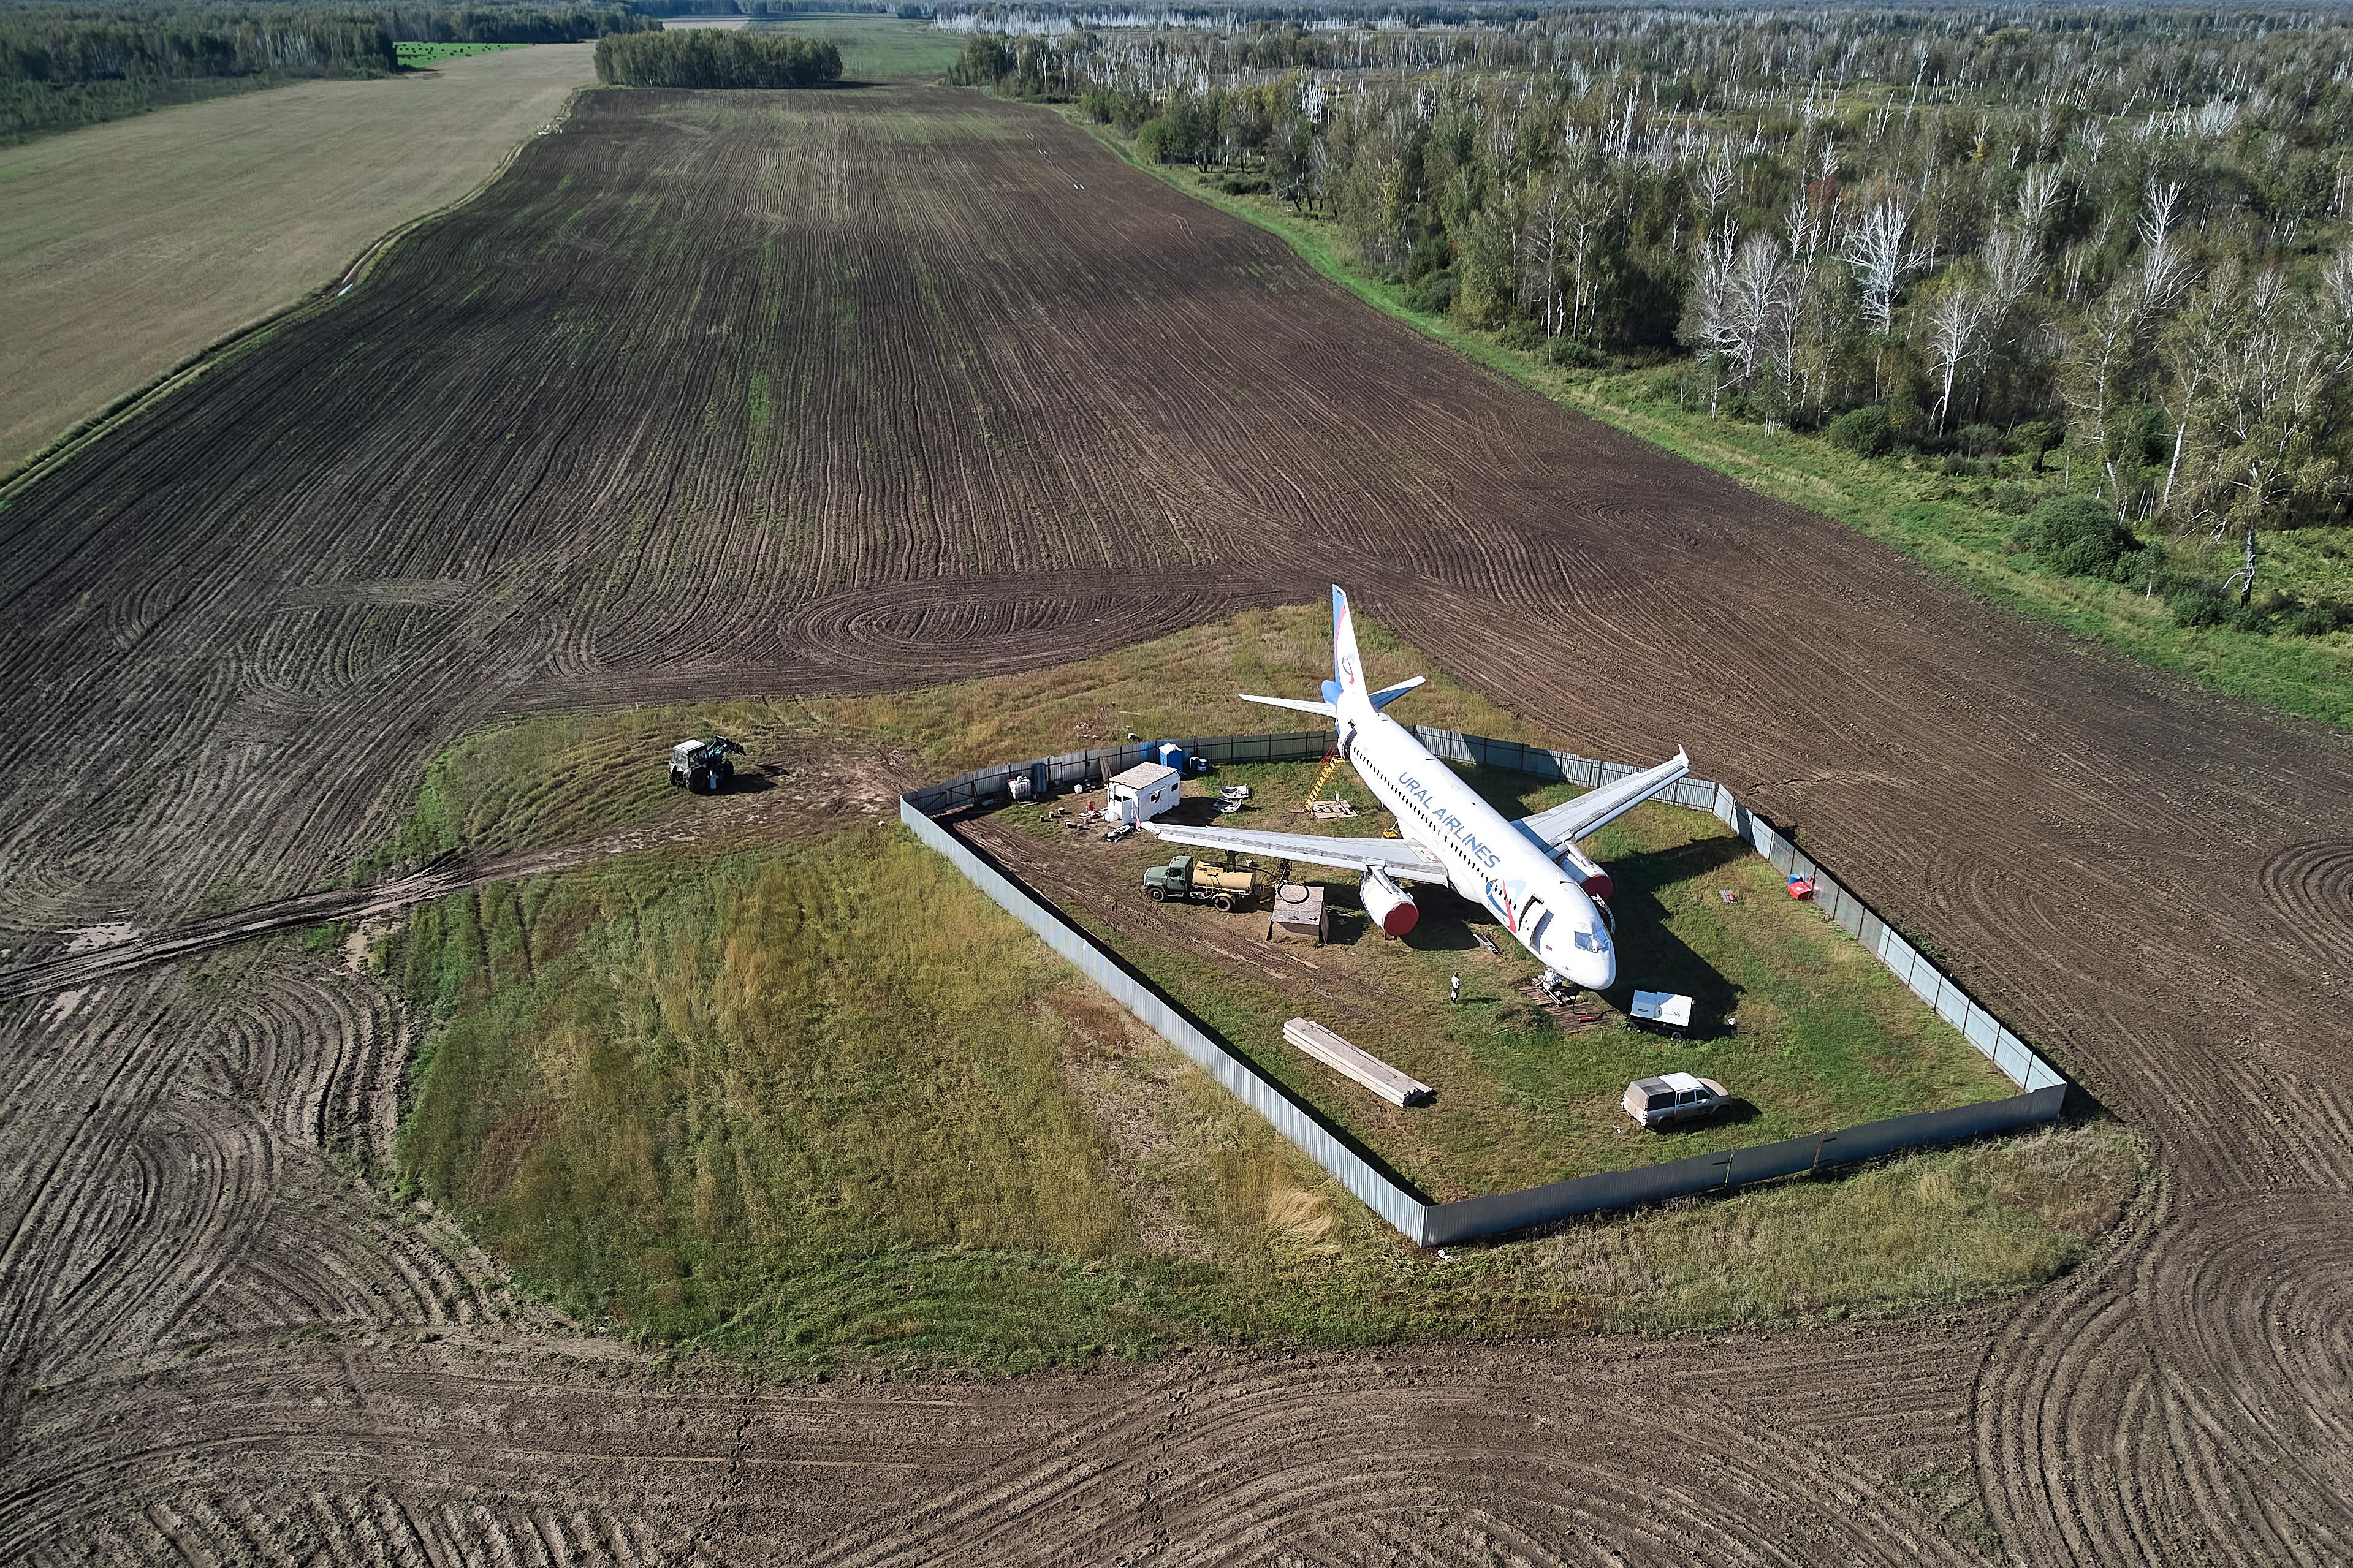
1141, 794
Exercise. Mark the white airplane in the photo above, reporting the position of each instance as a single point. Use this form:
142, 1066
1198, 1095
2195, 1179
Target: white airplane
1548, 892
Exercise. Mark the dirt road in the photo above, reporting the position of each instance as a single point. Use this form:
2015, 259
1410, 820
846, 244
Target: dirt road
1014, 403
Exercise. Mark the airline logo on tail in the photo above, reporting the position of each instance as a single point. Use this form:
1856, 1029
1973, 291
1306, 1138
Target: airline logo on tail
1344, 645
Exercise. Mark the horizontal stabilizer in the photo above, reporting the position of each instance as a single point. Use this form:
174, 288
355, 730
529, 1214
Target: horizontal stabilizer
1300, 703
1388, 694
1398, 858
1596, 808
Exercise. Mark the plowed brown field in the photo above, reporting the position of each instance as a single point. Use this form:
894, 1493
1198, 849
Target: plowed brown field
846, 391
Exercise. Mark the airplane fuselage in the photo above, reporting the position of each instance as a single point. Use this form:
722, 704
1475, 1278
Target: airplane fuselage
1489, 860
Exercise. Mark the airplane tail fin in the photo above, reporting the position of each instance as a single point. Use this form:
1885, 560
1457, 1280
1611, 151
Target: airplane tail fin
1347, 668
1347, 682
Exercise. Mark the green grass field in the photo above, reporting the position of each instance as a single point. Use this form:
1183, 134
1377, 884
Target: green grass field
1825, 1037
424, 56
875, 49
1960, 525
819, 1104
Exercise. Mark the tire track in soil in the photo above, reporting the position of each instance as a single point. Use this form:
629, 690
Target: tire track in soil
1008, 423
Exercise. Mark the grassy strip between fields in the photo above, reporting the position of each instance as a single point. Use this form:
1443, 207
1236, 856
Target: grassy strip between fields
821, 1105
1954, 525
418, 56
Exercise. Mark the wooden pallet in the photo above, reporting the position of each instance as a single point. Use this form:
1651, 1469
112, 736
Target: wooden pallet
1344, 1059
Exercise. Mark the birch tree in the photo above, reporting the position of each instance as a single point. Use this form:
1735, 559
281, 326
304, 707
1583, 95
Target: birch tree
1958, 323
2270, 395
1875, 253
1742, 293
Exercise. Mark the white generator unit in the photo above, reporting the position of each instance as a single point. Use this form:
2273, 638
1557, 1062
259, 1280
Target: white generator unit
1141, 794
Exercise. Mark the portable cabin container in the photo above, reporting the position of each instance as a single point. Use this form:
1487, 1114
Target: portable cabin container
1141, 794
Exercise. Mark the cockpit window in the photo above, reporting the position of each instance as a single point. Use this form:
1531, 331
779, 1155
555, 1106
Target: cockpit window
1592, 941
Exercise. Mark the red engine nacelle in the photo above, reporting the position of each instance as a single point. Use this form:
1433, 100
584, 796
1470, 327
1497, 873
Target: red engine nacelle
1588, 874
1391, 907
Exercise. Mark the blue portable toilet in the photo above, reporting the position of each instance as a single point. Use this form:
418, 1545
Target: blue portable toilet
1168, 754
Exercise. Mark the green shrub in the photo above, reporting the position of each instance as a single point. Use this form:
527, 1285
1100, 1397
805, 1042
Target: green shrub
1574, 354
1979, 440
1522, 335
2079, 536
2011, 499
2197, 604
2032, 439
1864, 431
2139, 434
1433, 296
1907, 410
1431, 253
2318, 619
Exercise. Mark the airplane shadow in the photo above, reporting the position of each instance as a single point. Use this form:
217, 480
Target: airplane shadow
1651, 957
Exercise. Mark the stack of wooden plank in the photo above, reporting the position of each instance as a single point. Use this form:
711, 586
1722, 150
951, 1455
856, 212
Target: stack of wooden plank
1341, 1056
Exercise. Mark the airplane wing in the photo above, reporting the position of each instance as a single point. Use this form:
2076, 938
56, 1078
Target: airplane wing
1300, 703
1573, 819
1398, 858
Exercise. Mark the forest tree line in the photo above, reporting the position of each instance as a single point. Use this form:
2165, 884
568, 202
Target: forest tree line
713, 57
2114, 246
759, 7
65, 65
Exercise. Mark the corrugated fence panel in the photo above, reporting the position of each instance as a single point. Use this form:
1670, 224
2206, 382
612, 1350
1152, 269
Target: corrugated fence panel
1699, 795
1576, 770
1767, 1161
1392, 1203
2010, 1054
1491, 1216
1501, 1212
1876, 1138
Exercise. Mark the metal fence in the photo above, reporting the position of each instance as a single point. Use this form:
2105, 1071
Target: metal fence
985, 786
2044, 1090
1469, 1217
1452, 744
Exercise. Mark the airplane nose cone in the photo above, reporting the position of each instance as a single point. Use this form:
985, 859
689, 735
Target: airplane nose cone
1587, 971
